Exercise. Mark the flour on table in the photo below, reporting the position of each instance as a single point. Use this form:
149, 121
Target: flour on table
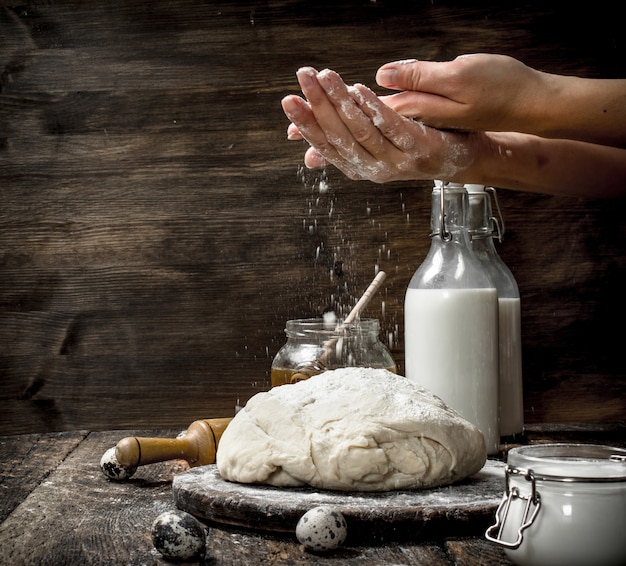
351, 429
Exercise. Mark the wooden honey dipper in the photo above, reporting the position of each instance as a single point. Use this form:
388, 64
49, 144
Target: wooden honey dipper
329, 345
198, 446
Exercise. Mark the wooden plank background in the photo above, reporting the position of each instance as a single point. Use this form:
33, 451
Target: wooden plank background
157, 229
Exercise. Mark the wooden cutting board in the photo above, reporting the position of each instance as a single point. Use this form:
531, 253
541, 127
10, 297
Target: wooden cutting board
466, 507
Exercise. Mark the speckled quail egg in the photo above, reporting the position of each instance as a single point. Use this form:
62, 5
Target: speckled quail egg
321, 529
112, 469
179, 536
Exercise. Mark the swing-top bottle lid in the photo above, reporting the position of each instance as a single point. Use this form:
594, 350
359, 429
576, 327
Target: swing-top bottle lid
448, 185
475, 188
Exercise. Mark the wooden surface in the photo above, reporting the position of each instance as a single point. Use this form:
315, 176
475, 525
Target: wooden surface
157, 229
58, 508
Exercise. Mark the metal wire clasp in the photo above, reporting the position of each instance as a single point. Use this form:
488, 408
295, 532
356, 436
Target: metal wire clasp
531, 508
444, 233
498, 221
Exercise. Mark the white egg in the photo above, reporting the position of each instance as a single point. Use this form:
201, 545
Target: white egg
112, 469
321, 529
179, 536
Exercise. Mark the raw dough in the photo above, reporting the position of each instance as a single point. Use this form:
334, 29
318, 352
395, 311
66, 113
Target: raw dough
355, 429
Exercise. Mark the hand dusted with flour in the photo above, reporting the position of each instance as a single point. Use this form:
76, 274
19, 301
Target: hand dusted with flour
350, 429
354, 130
449, 123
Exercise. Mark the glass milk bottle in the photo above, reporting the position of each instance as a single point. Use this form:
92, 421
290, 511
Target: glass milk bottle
451, 319
482, 224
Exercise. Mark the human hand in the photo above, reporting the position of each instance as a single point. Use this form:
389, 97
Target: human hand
472, 92
351, 128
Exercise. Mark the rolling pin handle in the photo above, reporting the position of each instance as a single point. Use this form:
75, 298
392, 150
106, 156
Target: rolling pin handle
198, 446
128, 452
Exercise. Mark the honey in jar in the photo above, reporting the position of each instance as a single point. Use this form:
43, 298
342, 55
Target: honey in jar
315, 345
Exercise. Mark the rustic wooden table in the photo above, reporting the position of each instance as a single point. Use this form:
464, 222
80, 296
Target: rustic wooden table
58, 508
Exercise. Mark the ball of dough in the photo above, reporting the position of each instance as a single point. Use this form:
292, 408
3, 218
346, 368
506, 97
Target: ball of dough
352, 429
178, 536
321, 529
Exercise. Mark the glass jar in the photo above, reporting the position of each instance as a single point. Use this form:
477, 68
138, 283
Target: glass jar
565, 505
315, 345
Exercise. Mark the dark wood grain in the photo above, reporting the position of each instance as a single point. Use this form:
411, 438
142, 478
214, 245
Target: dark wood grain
475, 552
77, 516
26, 461
241, 548
157, 229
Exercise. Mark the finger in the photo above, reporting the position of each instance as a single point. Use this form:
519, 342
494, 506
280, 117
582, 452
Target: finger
433, 110
302, 119
392, 75
301, 114
313, 159
424, 76
329, 133
293, 133
361, 138
312, 90
392, 126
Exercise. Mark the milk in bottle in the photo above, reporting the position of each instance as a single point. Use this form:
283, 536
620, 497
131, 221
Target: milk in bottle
451, 319
483, 226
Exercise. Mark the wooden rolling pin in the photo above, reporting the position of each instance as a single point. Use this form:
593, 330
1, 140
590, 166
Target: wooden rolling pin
197, 446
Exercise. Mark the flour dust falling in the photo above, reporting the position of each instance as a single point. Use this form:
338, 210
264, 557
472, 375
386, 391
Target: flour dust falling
343, 262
